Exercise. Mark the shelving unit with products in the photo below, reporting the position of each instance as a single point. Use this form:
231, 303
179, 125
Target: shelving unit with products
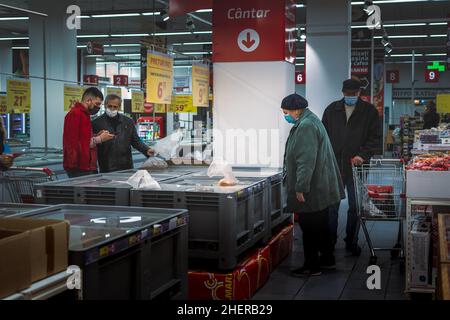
408, 126
444, 256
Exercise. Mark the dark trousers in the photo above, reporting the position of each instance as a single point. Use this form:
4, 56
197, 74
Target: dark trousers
79, 173
352, 227
316, 237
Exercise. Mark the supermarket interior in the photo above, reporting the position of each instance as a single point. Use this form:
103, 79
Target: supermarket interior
224, 150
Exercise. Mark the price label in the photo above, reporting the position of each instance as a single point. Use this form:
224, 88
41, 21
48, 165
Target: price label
3, 104
137, 102
19, 96
182, 104
200, 84
159, 77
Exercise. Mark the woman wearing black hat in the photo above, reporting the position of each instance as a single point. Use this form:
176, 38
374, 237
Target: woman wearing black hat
313, 183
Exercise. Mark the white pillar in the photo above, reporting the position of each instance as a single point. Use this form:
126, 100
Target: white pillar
5, 62
328, 51
90, 66
61, 62
247, 97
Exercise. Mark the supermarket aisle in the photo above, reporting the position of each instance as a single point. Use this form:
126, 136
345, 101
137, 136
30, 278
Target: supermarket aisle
348, 281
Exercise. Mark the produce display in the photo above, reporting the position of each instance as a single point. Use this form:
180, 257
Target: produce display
430, 162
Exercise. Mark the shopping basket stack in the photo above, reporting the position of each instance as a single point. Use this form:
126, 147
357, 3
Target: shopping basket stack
20, 181
379, 188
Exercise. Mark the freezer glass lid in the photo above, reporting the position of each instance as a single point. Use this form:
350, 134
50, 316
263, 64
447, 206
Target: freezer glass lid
10, 211
82, 238
103, 181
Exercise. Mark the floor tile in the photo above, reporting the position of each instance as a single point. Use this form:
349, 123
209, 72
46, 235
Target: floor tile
349, 294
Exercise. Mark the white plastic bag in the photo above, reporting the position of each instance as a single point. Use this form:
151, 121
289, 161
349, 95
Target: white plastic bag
168, 146
154, 163
220, 168
143, 180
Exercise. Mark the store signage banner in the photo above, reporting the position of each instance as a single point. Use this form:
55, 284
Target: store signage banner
392, 76
94, 48
419, 93
72, 94
3, 104
19, 96
180, 7
443, 103
200, 84
159, 77
361, 69
182, 104
120, 80
137, 102
254, 30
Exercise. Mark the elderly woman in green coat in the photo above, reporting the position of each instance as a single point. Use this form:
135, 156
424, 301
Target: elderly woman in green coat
313, 183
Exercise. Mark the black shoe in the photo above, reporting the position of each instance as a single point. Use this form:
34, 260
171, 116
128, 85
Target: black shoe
305, 272
327, 263
354, 249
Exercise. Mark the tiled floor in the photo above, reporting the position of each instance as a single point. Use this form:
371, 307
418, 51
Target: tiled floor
348, 281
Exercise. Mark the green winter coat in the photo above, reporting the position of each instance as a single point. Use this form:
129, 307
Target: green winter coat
310, 166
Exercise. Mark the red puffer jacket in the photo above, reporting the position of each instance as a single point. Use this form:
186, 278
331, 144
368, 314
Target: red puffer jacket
76, 140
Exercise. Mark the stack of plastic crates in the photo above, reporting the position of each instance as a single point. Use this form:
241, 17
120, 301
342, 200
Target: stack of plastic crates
379, 188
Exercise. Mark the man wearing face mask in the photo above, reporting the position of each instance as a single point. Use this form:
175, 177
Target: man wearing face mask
116, 154
313, 183
79, 143
354, 128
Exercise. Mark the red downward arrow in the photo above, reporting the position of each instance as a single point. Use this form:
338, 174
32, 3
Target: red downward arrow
248, 42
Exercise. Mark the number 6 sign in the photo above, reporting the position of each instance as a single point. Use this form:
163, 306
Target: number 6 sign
300, 78
431, 75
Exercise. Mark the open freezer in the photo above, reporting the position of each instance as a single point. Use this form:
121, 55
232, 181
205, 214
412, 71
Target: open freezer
9, 209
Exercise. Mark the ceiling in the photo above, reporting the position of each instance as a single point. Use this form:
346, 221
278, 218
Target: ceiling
413, 24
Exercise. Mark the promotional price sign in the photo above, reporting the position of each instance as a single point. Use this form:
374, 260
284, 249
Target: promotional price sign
19, 96
72, 94
159, 77
120, 80
431, 75
392, 76
300, 77
182, 104
443, 103
137, 102
200, 84
3, 104
112, 90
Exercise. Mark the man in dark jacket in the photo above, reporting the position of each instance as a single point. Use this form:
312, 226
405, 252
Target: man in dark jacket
116, 155
431, 118
354, 128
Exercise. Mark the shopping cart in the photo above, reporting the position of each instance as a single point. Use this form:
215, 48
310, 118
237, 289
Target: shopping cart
379, 188
20, 181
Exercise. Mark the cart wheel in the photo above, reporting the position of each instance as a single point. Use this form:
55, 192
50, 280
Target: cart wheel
373, 260
395, 252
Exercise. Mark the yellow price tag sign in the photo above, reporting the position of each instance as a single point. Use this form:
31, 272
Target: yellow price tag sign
443, 103
182, 104
137, 102
3, 104
200, 84
72, 95
159, 77
19, 95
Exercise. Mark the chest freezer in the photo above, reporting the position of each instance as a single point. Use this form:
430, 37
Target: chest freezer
9, 209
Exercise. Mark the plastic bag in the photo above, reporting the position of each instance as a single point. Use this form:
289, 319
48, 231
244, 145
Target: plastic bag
143, 180
154, 163
168, 146
220, 168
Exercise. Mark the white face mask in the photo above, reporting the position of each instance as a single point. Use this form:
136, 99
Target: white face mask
111, 113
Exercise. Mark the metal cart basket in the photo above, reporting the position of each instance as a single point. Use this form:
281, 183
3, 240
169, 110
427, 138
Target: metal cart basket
379, 188
20, 181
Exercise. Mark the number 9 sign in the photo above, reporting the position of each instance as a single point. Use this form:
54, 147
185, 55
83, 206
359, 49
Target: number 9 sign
431, 75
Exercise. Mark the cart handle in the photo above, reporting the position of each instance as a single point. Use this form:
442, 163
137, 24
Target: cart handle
45, 170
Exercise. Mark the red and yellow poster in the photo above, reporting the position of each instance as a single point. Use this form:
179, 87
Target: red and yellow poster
18, 96
137, 102
159, 77
182, 104
72, 94
3, 104
200, 84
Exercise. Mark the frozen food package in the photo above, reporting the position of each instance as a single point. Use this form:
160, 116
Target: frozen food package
220, 168
168, 146
154, 163
143, 180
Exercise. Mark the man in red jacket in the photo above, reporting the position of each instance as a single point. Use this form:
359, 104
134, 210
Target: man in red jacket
79, 144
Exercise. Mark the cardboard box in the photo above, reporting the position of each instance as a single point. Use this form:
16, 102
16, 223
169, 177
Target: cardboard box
49, 241
15, 266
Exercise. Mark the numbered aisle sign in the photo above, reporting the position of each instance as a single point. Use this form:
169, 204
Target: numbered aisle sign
72, 94
200, 84
431, 75
137, 102
392, 76
300, 78
182, 104
159, 77
19, 96
120, 80
3, 104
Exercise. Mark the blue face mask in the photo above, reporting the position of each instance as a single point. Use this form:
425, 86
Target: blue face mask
350, 100
289, 118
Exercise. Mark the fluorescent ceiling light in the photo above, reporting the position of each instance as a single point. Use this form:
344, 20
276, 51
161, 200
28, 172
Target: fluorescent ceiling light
359, 27
14, 38
82, 46
106, 62
94, 56
438, 35
299, 64
409, 36
300, 58
202, 32
151, 13
404, 25
20, 48
13, 18
93, 36
300, 5
131, 35
407, 55
394, 1
438, 23
435, 54
115, 15
128, 54
125, 45
181, 67
204, 10
84, 17
191, 43
194, 53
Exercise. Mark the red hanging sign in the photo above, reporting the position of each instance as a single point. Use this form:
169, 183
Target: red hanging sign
90, 79
120, 80
180, 7
392, 76
300, 78
431, 75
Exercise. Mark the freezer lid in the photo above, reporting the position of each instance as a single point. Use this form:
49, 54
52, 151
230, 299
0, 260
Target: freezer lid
9, 209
